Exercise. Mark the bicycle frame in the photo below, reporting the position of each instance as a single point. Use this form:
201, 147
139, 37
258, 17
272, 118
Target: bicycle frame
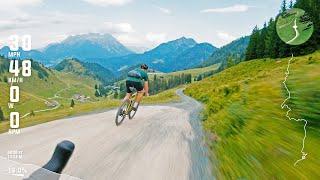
131, 102
126, 108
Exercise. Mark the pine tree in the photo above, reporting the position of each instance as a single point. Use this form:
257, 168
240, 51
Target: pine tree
116, 95
291, 4
72, 104
261, 44
230, 62
283, 6
284, 49
5, 79
32, 113
96, 93
1, 115
271, 40
199, 78
189, 79
251, 52
311, 8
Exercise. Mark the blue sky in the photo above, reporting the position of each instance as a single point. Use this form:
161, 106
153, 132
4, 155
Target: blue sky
139, 23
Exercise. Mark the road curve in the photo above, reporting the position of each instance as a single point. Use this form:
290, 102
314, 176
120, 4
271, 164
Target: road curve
161, 142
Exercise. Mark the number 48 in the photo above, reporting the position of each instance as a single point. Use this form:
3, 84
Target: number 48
26, 68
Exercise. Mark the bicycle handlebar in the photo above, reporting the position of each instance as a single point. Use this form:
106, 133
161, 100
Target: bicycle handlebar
60, 157
58, 161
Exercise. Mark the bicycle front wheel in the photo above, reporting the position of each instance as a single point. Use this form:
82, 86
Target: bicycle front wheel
121, 113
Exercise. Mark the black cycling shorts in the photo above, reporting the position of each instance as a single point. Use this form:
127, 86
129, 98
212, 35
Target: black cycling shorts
137, 85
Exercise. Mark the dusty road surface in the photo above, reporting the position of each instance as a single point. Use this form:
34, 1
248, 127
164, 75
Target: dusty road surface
161, 142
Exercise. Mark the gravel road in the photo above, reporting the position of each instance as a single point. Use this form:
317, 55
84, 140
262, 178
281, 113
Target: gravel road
162, 142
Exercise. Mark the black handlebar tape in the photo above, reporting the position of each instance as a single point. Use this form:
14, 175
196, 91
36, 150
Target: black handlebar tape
60, 157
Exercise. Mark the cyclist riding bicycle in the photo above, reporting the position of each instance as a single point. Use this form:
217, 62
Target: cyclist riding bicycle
137, 79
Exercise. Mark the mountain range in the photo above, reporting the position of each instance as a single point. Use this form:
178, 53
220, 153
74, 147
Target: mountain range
82, 47
105, 50
87, 46
179, 54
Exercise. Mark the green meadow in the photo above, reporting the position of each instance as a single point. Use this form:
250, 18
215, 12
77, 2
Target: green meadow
248, 134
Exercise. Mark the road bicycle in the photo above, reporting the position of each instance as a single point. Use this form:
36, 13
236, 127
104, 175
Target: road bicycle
126, 108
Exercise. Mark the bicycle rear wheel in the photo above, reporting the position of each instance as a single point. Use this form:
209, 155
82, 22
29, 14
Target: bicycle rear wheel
132, 113
121, 113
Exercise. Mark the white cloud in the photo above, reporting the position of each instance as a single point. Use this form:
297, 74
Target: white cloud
19, 3
164, 10
230, 9
108, 2
16, 7
22, 21
156, 37
18, 22
118, 27
225, 36
128, 39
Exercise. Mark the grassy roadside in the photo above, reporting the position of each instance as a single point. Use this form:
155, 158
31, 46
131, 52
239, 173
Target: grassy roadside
167, 96
196, 71
80, 108
249, 135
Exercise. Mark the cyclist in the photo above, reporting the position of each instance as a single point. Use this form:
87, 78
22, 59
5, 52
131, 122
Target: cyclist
138, 79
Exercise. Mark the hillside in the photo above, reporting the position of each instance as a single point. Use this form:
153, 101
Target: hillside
235, 49
34, 54
46, 88
194, 56
248, 133
160, 82
85, 69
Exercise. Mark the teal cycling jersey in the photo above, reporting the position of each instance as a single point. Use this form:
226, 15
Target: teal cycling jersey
137, 75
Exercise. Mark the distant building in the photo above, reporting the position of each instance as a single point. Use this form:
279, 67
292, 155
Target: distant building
80, 97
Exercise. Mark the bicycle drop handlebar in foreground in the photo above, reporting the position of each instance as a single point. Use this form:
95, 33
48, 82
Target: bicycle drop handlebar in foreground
59, 159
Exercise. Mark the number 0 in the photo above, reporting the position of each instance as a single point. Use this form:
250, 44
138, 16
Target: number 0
26, 42
14, 120
14, 94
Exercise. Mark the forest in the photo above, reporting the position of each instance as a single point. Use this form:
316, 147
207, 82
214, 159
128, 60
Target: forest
265, 43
